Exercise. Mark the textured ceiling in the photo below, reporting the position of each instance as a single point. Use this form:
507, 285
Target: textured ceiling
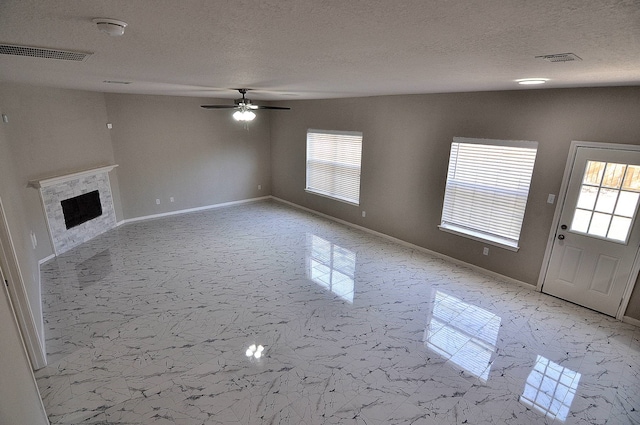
304, 49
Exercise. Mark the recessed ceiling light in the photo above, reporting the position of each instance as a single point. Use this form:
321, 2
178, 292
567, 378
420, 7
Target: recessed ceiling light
116, 82
532, 81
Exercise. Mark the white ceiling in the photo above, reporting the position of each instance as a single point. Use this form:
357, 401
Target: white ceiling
308, 49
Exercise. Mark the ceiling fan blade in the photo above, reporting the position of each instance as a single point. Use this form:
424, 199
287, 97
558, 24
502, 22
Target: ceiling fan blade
219, 106
282, 108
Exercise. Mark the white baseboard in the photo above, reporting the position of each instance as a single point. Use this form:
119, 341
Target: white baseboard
190, 210
413, 246
45, 259
631, 321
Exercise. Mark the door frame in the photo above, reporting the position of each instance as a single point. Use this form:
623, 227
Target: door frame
18, 296
635, 268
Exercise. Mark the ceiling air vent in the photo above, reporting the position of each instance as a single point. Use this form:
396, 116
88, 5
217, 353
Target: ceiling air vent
37, 52
560, 57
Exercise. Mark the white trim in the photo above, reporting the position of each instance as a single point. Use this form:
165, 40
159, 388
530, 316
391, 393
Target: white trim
628, 290
412, 246
334, 198
495, 142
335, 132
190, 210
631, 321
45, 259
46, 219
487, 239
18, 294
49, 181
120, 223
635, 269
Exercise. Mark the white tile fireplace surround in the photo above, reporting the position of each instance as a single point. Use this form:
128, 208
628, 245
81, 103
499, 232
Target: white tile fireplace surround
54, 190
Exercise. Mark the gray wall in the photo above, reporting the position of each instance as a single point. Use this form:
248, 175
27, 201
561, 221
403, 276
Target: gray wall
405, 154
16, 214
19, 397
170, 147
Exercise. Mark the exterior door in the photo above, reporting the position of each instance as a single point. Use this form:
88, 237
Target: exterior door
598, 234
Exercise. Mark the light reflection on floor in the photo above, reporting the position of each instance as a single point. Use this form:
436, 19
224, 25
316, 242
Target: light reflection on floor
550, 389
331, 266
462, 333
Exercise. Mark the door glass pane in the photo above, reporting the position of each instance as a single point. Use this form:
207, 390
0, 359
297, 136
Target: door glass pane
599, 224
607, 200
581, 220
613, 175
632, 178
619, 228
627, 204
587, 199
593, 173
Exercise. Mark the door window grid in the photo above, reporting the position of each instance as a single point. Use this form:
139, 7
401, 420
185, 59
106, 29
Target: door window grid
608, 199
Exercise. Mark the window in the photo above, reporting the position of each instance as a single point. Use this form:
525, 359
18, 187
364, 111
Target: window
487, 189
333, 164
608, 200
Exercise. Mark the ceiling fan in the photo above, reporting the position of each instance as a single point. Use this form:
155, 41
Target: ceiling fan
244, 107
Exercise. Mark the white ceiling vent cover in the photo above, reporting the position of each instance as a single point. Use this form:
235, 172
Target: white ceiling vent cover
560, 57
37, 52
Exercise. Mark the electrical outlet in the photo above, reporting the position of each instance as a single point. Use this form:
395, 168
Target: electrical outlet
171, 199
157, 201
259, 187
485, 251
364, 213
551, 198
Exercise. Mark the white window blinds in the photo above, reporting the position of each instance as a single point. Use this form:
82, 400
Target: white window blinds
487, 189
333, 164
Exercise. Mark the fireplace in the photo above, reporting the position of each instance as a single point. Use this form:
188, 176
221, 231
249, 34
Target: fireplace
77, 206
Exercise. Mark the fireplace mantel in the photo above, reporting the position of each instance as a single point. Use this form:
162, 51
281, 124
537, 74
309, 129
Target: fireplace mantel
50, 181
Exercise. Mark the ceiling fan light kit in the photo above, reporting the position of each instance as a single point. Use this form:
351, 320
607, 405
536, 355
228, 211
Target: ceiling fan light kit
244, 115
531, 81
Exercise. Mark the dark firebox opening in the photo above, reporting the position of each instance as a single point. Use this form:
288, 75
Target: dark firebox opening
81, 209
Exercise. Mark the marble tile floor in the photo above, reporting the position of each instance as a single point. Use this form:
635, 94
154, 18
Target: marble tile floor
264, 314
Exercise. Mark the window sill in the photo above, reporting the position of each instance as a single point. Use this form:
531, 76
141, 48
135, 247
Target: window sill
324, 195
476, 236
